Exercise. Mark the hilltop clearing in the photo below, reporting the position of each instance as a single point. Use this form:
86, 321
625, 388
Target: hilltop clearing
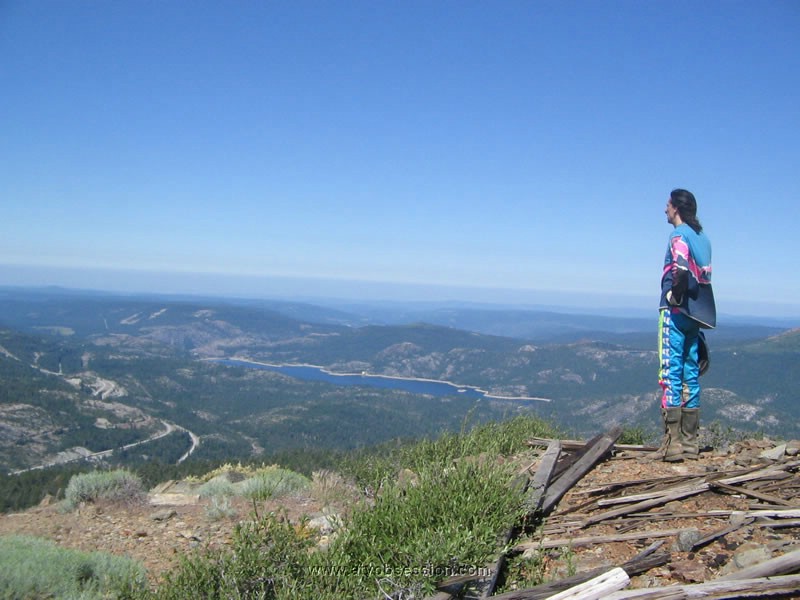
690, 522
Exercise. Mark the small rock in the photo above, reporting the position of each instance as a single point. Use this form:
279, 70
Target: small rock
750, 554
690, 571
687, 539
163, 515
326, 524
747, 458
174, 499
324, 542
775, 453
718, 560
406, 478
793, 447
747, 555
190, 535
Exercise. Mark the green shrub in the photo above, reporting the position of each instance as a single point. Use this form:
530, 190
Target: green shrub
447, 519
219, 487
448, 523
220, 508
634, 435
492, 439
112, 486
36, 568
268, 560
330, 488
272, 482
717, 435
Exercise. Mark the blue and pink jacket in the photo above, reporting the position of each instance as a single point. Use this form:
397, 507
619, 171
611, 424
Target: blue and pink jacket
690, 251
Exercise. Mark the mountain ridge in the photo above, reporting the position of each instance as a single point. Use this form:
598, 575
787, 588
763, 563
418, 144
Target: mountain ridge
150, 348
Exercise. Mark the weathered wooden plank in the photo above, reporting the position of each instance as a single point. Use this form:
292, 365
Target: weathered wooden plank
693, 482
647, 552
597, 588
781, 565
644, 561
752, 493
579, 445
644, 505
721, 533
590, 458
590, 540
705, 482
789, 481
719, 590
790, 513
521, 482
679, 493
497, 567
653, 594
778, 524
568, 459
768, 472
755, 586
649, 483
565, 444
541, 479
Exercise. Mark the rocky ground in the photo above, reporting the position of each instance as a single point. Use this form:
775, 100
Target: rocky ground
576, 537
173, 522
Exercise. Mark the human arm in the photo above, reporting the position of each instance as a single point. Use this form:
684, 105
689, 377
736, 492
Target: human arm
676, 271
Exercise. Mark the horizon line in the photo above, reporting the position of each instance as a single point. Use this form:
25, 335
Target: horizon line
307, 288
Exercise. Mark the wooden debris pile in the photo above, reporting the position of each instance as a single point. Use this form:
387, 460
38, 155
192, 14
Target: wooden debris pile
725, 526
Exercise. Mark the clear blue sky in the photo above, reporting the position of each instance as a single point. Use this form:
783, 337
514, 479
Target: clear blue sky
499, 144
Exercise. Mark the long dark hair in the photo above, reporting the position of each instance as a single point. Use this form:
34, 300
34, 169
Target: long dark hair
684, 202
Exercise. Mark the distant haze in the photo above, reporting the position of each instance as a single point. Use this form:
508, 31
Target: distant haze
315, 289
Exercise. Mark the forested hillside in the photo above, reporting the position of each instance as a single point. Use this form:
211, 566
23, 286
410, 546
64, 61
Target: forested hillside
86, 374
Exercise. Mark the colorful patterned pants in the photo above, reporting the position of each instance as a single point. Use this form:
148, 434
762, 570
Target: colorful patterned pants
677, 348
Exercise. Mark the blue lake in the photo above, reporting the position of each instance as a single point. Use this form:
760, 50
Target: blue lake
414, 386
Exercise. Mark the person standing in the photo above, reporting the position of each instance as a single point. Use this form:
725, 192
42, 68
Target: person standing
687, 306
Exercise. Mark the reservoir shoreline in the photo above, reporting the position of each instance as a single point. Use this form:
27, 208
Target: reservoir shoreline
457, 388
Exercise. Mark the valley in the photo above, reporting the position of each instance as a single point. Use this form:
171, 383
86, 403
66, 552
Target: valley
135, 379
